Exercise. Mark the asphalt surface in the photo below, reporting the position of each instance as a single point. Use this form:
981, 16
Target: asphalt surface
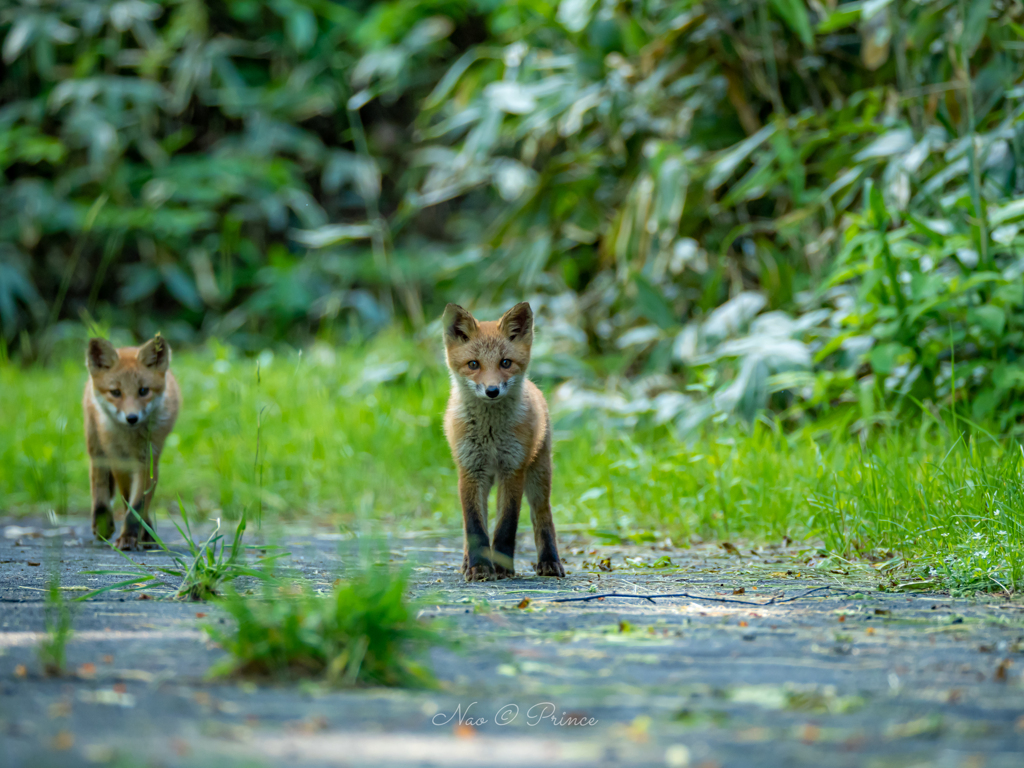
848, 676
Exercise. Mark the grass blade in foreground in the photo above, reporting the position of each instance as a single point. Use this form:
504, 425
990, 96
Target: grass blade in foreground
363, 632
59, 618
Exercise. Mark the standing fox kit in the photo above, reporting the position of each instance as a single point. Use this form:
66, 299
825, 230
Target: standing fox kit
131, 402
498, 429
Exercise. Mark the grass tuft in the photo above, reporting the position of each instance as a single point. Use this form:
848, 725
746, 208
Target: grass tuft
59, 618
199, 575
363, 632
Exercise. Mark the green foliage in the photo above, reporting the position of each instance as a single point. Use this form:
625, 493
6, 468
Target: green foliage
59, 618
157, 157
362, 633
783, 204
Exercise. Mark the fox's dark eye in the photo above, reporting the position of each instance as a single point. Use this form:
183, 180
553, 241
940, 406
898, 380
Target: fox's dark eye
143, 391
473, 365
506, 363
115, 392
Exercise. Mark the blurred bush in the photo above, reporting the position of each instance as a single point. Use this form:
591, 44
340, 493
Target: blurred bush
733, 204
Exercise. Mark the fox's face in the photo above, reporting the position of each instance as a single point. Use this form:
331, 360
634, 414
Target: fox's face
488, 359
128, 383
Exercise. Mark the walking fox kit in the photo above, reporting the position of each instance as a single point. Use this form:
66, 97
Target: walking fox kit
131, 401
498, 429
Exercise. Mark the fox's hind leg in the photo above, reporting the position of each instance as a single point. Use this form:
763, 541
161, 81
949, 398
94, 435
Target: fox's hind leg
538, 493
101, 486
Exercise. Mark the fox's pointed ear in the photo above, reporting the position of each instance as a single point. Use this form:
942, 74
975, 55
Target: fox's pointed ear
517, 323
155, 354
100, 355
459, 325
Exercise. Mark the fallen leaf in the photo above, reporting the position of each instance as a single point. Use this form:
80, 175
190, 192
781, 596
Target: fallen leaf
99, 753
63, 741
740, 591
20, 671
743, 623
200, 615
1000, 675
87, 670
464, 731
120, 688
871, 630
310, 725
809, 733
842, 618
731, 549
638, 729
523, 603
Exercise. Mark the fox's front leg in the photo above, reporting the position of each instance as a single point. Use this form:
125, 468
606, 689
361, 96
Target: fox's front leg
142, 487
101, 487
510, 500
476, 561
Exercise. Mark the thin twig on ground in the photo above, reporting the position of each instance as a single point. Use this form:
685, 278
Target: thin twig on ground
777, 600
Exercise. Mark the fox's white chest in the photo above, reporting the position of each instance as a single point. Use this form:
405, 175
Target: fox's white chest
489, 446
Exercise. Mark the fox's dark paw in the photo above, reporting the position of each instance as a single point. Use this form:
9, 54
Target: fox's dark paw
479, 572
501, 572
130, 542
550, 568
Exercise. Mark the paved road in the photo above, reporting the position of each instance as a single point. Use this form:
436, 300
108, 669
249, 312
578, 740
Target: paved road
850, 678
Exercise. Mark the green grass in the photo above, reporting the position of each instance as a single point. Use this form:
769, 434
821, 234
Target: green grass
52, 649
353, 436
363, 632
201, 573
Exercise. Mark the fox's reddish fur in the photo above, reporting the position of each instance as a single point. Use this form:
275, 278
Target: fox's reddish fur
126, 385
498, 428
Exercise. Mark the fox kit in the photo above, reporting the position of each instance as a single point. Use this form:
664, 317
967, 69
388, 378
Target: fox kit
131, 401
498, 429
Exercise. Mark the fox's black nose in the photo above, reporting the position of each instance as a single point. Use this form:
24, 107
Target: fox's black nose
492, 391
131, 418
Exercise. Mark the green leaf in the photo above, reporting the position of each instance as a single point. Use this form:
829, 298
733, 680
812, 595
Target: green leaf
838, 19
652, 305
975, 25
885, 357
991, 319
300, 25
794, 13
